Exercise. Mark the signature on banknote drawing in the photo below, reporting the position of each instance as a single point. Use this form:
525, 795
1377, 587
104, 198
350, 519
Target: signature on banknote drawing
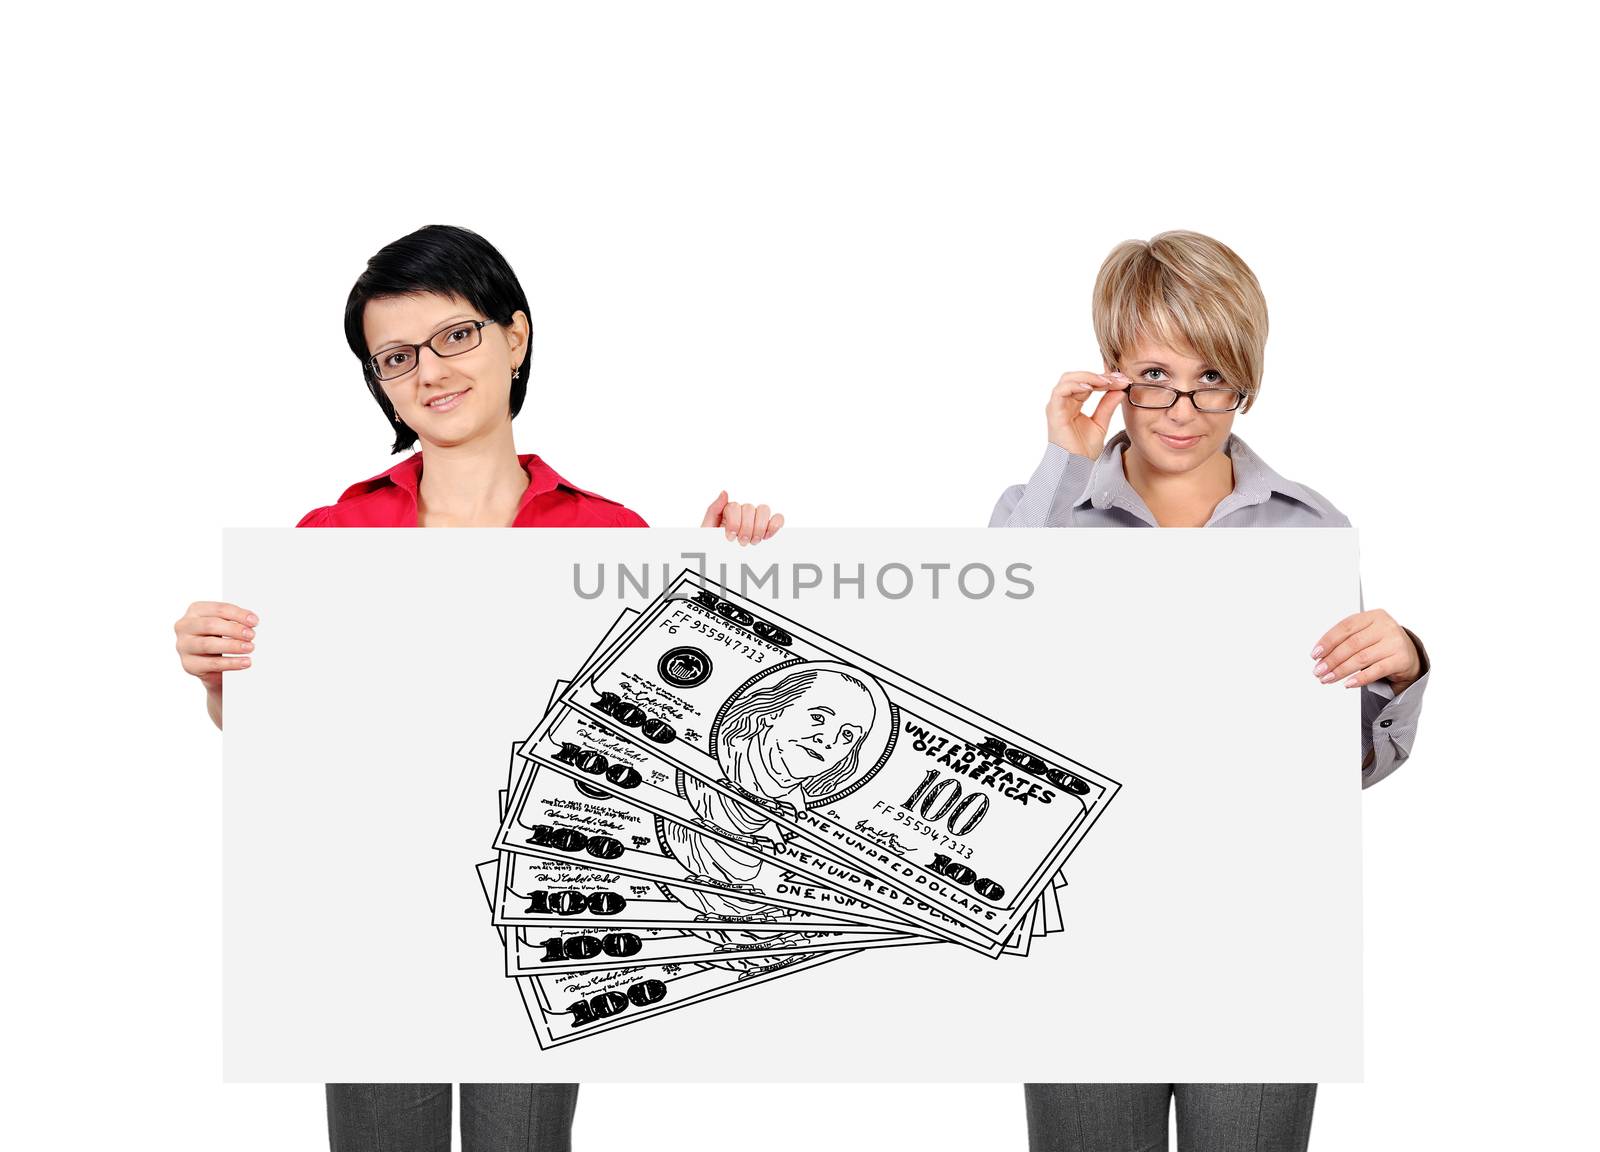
887, 838
793, 737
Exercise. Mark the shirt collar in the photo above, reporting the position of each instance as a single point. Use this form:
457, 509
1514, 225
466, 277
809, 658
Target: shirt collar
1253, 482
407, 476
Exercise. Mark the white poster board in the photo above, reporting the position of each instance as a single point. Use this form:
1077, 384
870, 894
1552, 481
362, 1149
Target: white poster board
1127, 849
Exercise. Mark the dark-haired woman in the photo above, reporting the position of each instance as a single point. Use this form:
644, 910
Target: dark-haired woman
440, 326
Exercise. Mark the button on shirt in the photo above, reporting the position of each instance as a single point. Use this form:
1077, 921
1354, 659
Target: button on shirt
1068, 491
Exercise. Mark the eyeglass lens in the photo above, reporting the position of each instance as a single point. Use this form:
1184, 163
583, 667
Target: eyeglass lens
451, 342
1206, 399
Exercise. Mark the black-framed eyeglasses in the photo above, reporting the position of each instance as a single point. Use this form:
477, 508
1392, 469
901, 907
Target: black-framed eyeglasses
1203, 399
393, 363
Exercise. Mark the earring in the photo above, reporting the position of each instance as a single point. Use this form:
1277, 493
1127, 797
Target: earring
516, 374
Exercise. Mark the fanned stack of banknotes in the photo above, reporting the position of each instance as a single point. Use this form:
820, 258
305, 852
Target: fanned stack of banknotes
720, 797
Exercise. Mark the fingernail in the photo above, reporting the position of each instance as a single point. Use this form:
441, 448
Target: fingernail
1319, 669
249, 632
247, 646
1317, 651
245, 662
253, 618
1329, 678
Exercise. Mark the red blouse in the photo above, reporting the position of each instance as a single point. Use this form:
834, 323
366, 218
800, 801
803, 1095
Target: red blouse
390, 501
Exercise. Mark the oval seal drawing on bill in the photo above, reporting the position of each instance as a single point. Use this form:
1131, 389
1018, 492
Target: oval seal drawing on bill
684, 667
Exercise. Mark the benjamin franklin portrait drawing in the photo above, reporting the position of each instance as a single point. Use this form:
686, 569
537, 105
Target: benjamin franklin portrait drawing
794, 737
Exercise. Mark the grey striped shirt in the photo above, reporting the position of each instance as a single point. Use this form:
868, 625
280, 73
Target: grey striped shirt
1068, 491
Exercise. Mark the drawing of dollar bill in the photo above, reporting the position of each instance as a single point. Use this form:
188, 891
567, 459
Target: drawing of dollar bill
541, 893
531, 952
734, 708
565, 1007
704, 851
565, 890
558, 818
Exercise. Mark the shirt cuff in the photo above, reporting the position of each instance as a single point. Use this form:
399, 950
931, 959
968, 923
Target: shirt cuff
1389, 721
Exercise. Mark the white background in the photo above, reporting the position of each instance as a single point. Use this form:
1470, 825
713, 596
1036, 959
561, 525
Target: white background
1213, 919
867, 228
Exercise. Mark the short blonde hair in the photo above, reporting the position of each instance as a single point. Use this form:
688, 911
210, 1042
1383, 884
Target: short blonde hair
1184, 290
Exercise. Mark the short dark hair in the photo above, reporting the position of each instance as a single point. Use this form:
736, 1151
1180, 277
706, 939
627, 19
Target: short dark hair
452, 262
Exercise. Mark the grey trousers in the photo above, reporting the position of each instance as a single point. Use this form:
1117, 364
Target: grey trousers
416, 1117
1133, 1117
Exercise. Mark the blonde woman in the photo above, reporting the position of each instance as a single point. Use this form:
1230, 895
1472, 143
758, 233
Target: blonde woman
1182, 328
